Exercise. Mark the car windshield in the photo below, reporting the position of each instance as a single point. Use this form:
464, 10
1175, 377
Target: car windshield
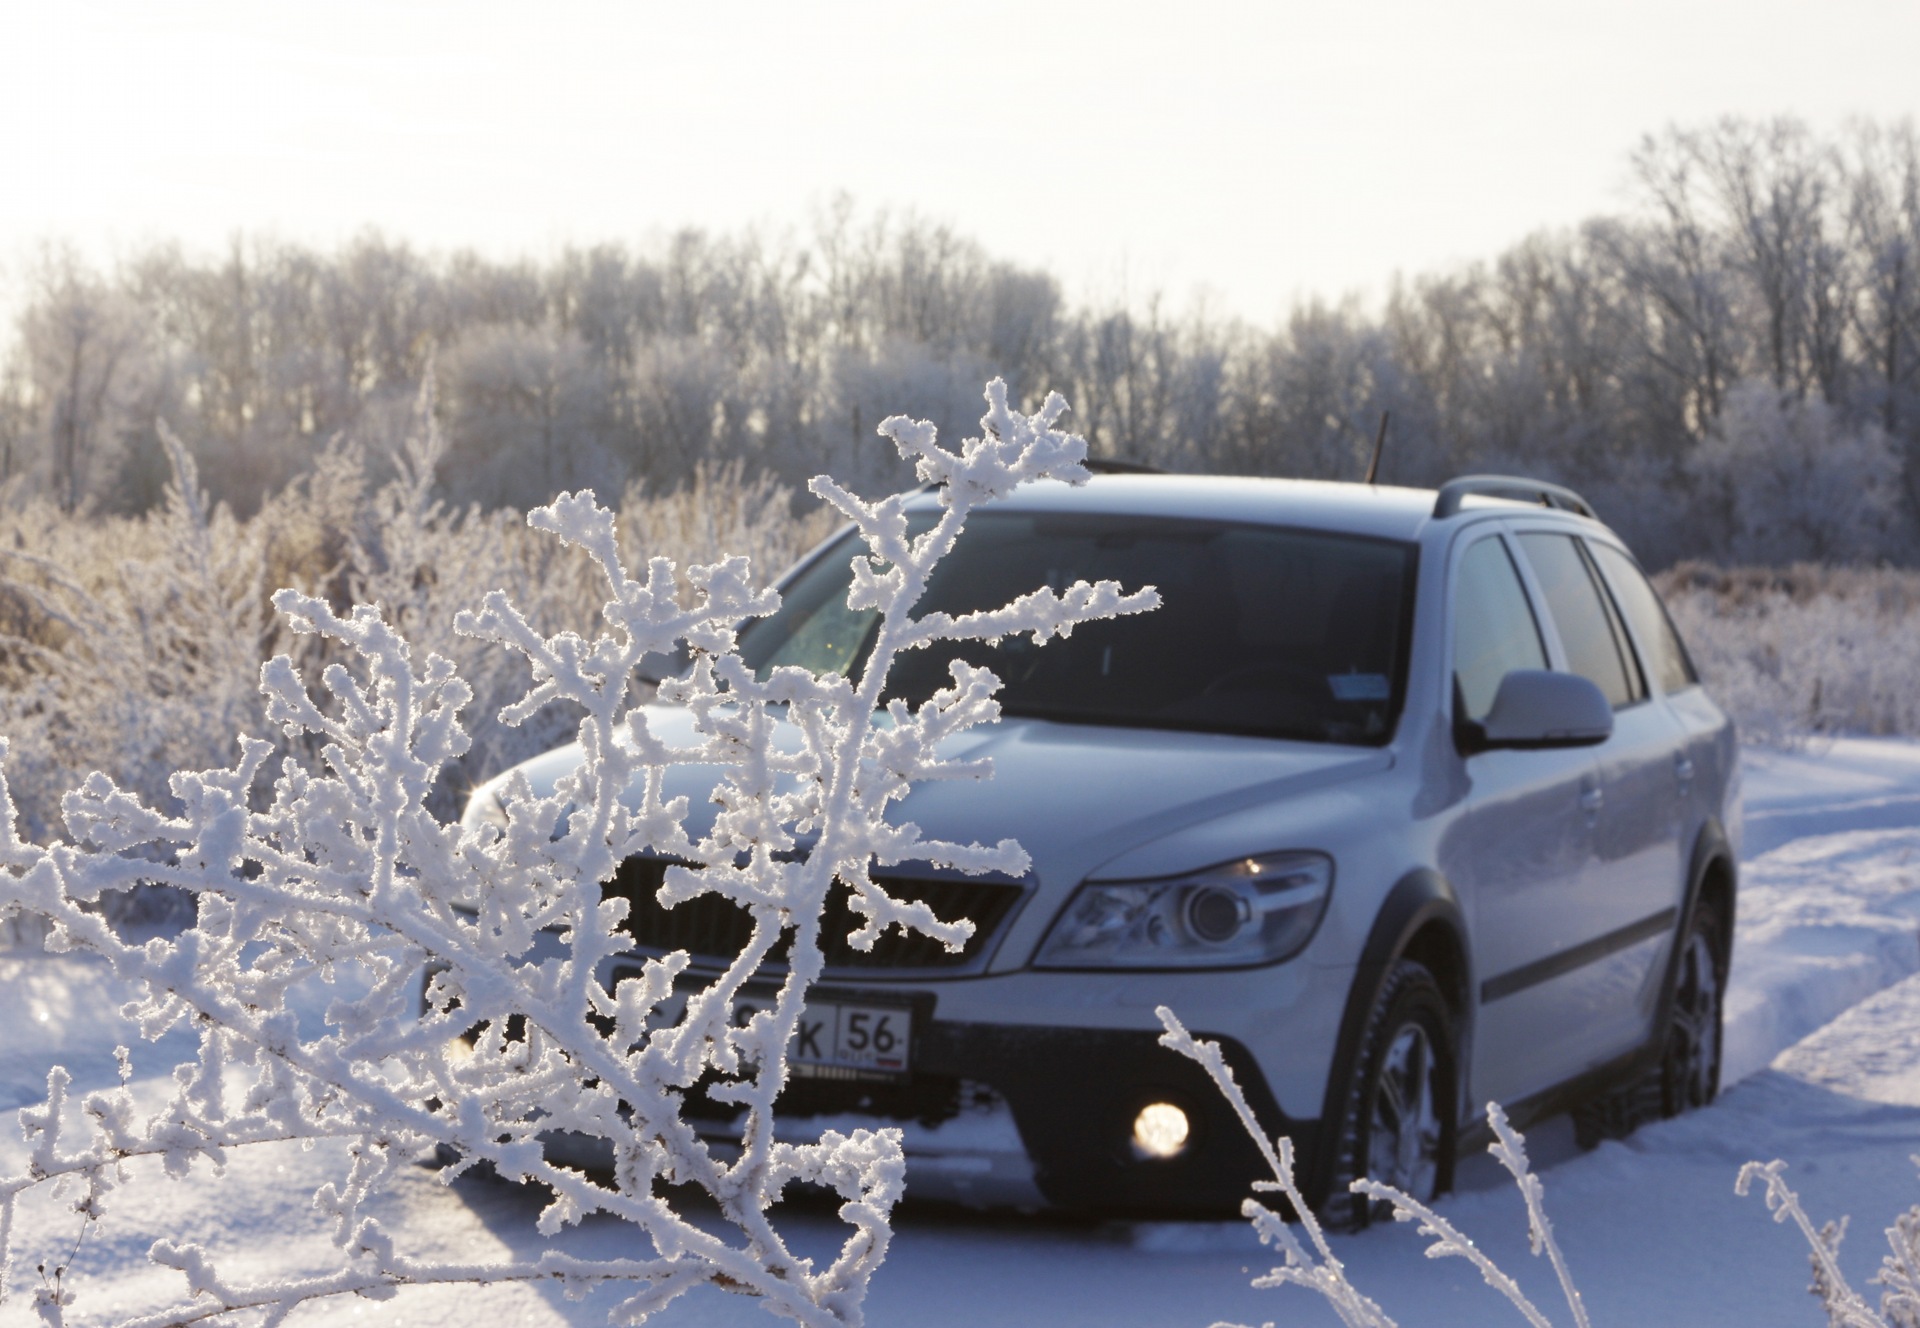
1261, 630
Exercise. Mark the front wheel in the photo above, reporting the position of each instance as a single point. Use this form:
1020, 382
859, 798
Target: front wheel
1398, 1126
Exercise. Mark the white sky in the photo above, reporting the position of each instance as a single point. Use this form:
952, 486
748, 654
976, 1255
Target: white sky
1250, 152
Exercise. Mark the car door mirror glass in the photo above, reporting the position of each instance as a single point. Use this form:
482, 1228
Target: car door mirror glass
1536, 708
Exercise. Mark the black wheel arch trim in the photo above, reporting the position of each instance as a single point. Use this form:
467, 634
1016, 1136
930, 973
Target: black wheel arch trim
1712, 846
1418, 899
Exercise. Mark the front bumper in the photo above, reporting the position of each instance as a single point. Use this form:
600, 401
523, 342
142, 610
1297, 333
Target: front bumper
1067, 1092
1074, 1094
996, 1112
1026, 1114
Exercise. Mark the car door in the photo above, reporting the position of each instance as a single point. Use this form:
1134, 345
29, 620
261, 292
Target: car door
1704, 769
1518, 850
1627, 909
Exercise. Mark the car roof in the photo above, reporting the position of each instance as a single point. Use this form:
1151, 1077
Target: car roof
1384, 511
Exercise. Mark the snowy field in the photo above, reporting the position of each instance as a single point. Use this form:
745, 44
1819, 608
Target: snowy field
1823, 1035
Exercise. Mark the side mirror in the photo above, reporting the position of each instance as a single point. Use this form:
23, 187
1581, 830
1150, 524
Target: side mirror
1535, 708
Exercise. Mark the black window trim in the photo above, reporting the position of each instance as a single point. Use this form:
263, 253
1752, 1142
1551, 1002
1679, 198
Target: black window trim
1680, 643
1622, 634
1562, 661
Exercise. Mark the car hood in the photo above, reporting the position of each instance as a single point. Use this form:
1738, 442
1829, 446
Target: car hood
1075, 796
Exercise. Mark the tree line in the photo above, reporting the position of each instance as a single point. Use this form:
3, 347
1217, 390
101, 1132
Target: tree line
1729, 369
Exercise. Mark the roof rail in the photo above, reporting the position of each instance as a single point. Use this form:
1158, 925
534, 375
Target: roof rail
1094, 466
1453, 492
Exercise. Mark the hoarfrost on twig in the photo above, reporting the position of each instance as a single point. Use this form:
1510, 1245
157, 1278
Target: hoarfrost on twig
525, 1030
1322, 1272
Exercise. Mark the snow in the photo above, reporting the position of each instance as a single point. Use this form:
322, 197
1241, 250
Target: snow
1823, 1036
1829, 908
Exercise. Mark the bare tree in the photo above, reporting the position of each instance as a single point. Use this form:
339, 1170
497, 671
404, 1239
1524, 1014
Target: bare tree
79, 342
1883, 228
1602, 356
529, 412
1687, 326
16, 419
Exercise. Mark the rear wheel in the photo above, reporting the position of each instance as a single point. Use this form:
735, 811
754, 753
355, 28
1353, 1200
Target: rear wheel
1398, 1125
1690, 1060
1688, 1074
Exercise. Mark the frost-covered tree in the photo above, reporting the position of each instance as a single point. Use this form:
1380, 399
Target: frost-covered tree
524, 1029
80, 339
1600, 356
1790, 480
530, 410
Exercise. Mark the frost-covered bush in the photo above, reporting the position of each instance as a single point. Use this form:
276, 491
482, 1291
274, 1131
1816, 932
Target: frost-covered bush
343, 863
109, 662
133, 645
1784, 478
1803, 650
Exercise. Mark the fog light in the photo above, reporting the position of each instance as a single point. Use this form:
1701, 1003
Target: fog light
1160, 1130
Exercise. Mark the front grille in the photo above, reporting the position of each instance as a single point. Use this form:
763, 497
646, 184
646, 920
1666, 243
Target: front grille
710, 927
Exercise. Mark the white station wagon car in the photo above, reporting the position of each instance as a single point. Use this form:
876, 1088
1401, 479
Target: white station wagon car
1412, 800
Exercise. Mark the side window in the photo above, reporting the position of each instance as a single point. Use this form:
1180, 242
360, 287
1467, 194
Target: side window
1665, 654
1494, 630
1584, 613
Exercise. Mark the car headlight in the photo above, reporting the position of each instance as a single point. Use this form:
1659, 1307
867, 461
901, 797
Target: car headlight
487, 807
484, 808
1249, 911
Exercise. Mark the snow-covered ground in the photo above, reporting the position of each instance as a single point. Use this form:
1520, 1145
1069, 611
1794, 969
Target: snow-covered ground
1823, 1034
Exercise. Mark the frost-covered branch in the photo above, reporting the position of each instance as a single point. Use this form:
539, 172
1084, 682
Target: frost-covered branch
1321, 1271
1510, 1151
488, 1013
1900, 1270
1844, 1306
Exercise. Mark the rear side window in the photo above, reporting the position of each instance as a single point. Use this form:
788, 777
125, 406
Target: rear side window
1648, 616
1596, 646
1494, 630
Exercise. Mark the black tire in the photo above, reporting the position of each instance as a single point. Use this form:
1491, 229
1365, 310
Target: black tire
1690, 1055
1688, 1072
1399, 1123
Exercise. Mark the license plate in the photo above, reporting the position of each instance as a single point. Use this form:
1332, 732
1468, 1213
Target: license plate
842, 1036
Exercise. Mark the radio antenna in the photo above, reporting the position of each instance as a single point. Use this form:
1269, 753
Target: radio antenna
1379, 442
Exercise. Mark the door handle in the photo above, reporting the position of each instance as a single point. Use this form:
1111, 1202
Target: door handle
1683, 768
1592, 800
